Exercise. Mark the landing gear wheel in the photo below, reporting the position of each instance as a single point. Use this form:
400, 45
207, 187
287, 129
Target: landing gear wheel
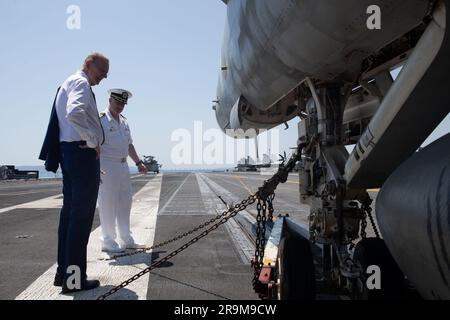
296, 276
373, 251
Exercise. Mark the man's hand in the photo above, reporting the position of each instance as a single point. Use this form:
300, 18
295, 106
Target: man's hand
142, 168
97, 150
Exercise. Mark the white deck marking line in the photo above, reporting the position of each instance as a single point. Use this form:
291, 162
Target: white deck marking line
251, 218
224, 192
243, 244
111, 273
174, 194
236, 200
50, 203
248, 176
22, 193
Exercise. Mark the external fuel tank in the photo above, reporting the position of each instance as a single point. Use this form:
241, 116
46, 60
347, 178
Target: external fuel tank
413, 212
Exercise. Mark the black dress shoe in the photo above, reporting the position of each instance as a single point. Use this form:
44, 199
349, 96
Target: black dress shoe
59, 279
85, 285
58, 282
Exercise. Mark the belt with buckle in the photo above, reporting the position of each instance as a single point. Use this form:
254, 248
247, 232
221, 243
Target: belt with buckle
77, 143
113, 159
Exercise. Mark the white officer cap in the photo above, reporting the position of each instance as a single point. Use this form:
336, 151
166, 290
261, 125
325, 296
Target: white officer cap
120, 95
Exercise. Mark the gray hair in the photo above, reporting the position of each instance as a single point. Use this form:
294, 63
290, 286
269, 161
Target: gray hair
94, 57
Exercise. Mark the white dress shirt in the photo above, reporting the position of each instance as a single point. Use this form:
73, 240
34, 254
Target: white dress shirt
117, 137
77, 112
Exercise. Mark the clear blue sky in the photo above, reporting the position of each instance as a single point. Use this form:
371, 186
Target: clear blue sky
164, 51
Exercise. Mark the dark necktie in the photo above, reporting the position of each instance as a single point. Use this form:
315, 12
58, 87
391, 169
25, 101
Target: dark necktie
103, 132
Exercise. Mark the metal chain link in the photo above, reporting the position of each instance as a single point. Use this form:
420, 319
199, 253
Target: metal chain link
270, 207
255, 263
260, 242
224, 218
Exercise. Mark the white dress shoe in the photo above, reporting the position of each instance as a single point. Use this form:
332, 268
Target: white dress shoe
135, 245
112, 248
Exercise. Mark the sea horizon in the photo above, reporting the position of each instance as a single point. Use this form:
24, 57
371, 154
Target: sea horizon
43, 174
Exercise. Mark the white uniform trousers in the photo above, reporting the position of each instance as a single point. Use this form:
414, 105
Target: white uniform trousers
114, 201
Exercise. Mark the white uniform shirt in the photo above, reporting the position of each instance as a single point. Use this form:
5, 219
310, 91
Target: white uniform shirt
117, 137
77, 112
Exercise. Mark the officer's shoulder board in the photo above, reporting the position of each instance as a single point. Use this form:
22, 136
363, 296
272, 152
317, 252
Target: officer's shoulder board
102, 114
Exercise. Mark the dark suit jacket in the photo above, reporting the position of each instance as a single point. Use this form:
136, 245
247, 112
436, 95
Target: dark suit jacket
50, 148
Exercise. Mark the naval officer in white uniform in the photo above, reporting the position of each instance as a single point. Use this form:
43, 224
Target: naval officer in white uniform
115, 194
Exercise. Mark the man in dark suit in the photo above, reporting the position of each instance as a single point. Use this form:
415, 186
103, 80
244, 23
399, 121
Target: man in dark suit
80, 136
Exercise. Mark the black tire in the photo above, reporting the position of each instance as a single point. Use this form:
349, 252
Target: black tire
373, 251
297, 278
